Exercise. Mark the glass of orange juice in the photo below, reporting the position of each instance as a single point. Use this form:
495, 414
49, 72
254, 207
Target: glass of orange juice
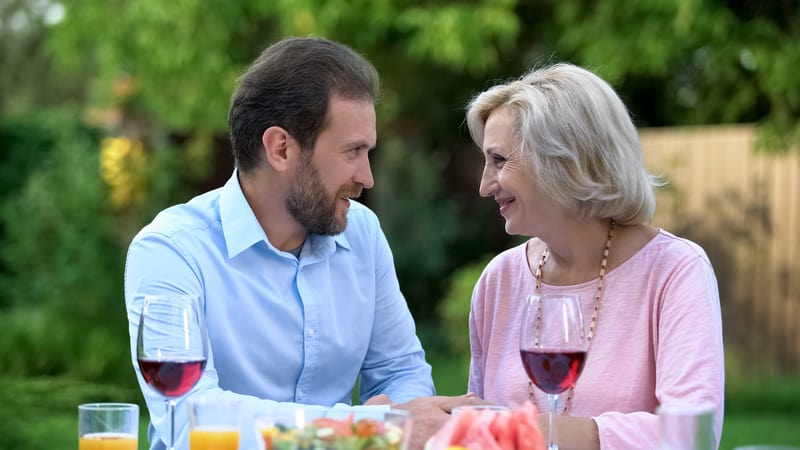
108, 426
213, 423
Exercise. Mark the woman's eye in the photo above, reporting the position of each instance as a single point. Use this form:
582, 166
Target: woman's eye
498, 160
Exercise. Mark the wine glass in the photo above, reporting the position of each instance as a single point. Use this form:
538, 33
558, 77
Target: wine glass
172, 347
553, 347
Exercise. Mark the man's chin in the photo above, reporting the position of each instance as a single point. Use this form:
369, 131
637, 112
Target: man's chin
341, 225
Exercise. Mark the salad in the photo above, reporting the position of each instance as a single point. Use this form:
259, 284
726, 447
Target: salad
325, 433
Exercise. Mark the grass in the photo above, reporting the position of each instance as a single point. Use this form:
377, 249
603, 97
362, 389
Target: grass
41, 413
761, 411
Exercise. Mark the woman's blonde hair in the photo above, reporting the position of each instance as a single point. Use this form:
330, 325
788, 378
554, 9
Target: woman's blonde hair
578, 139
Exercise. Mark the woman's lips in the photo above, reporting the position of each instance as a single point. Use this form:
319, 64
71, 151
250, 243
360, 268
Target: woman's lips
504, 204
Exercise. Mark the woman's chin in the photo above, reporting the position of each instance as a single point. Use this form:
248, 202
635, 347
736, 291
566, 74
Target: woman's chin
511, 229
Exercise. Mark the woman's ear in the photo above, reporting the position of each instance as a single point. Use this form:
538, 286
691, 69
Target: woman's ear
278, 147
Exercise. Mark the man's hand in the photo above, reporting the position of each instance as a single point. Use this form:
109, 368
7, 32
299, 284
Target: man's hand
430, 413
380, 399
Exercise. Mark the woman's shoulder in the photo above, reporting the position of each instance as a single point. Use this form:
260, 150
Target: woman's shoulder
507, 271
670, 244
669, 251
512, 259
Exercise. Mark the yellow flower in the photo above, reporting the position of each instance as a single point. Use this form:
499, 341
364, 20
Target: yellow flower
121, 160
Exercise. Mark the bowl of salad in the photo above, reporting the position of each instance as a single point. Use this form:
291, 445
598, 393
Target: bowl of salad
319, 429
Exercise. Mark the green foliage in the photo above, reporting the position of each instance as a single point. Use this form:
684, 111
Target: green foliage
210, 44
63, 278
42, 413
438, 33
414, 211
455, 306
63, 250
694, 62
27, 78
26, 143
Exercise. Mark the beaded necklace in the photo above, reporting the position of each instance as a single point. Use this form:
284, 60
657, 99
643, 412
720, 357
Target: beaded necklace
595, 313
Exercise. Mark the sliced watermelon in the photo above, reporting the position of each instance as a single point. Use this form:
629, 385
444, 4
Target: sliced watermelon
479, 438
503, 431
529, 437
516, 429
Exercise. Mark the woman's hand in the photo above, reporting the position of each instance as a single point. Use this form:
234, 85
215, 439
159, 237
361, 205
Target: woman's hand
430, 413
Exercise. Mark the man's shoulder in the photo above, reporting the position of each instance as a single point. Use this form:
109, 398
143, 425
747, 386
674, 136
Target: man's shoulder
190, 218
360, 216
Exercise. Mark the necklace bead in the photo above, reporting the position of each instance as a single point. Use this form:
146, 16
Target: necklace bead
595, 312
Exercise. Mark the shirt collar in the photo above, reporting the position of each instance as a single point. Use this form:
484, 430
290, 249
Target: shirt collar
242, 230
239, 225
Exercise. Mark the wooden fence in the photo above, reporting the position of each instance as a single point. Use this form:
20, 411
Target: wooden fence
743, 207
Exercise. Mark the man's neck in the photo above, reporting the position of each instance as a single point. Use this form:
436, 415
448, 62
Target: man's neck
266, 194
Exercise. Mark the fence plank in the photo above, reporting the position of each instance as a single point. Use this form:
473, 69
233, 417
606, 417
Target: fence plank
744, 208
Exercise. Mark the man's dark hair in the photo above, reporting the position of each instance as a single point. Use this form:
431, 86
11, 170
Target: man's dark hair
289, 85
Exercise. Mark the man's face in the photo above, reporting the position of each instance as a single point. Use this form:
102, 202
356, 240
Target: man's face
336, 170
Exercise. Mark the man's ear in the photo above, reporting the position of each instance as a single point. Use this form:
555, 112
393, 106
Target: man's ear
279, 147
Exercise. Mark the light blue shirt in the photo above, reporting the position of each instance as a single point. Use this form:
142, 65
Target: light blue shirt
281, 328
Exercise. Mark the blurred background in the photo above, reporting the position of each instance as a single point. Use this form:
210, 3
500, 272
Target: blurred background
111, 110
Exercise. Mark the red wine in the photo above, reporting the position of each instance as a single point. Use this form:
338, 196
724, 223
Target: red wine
172, 378
553, 371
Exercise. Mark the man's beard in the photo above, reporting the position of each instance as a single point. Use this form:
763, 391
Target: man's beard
309, 203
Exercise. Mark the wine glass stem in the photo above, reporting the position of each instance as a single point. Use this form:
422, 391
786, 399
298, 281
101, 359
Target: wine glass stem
552, 403
171, 415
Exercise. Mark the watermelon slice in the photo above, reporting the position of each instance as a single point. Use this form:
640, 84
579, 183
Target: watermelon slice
516, 429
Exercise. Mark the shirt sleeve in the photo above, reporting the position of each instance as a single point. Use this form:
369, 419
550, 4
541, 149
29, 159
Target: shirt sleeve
689, 357
395, 362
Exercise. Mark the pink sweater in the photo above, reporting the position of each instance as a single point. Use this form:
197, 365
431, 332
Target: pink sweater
658, 340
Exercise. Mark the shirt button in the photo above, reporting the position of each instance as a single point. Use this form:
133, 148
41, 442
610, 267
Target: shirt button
311, 333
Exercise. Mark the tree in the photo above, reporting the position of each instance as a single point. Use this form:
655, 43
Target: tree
689, 62
27, 78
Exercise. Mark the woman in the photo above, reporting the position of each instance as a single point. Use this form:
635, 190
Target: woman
564, 164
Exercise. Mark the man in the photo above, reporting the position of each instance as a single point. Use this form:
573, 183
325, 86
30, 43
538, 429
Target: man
296, 279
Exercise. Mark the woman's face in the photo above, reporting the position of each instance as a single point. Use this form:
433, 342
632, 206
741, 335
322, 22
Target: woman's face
507, 177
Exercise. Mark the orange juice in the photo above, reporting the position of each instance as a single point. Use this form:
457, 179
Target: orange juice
108, 441
267, 434
213, 439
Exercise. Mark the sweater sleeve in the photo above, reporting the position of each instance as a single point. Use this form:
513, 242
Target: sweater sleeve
687, 342
477, 361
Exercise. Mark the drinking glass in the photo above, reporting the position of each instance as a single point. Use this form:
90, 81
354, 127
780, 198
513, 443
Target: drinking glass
172, 348
103, 426
213, 423
685, 427
553, 345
